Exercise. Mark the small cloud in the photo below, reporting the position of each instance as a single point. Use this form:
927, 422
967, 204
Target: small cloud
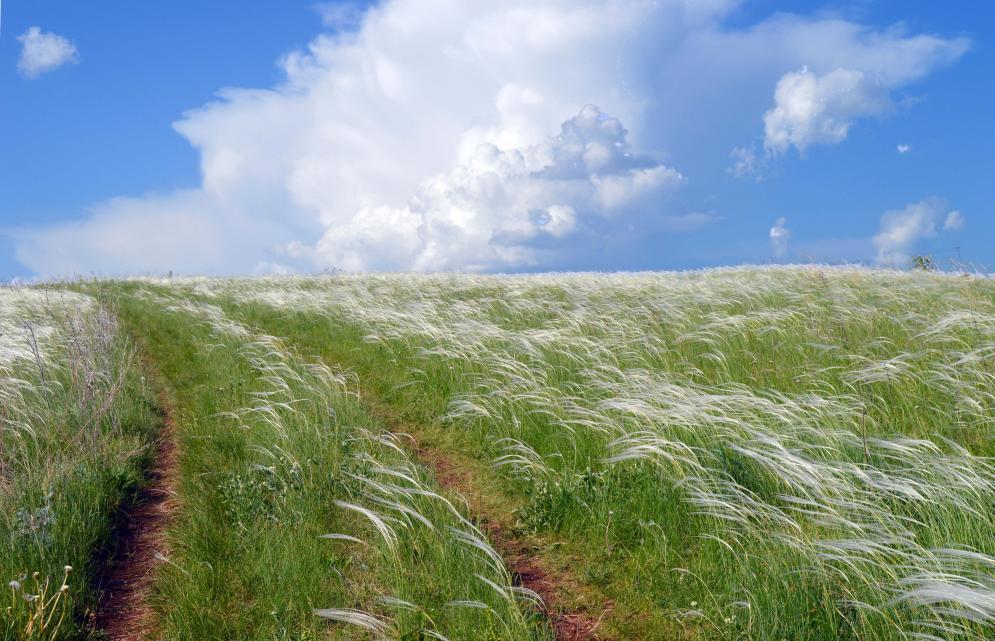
42, 52
904, 149
820, 109
954, 222
746, 162
779, 237
902, 229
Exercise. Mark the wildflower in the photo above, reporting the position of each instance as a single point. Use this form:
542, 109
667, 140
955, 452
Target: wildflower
14, 585
68, 569
64, 588
694, 604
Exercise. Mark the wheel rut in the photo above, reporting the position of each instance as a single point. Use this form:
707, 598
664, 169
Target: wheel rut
527, 568
125, 612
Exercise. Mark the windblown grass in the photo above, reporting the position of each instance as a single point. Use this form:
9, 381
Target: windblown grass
76, 422
299, 517
779, 453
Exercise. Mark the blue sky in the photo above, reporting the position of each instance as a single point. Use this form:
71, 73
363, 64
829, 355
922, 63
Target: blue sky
431, 135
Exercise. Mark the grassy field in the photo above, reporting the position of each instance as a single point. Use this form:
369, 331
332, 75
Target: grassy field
76, 423
766, 453
297, 508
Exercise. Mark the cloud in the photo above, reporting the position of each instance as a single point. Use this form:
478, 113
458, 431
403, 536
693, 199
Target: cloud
341, 15
820, 107
746, 163
183, 231
902, 229
954, 221
42, 52
811, 109
511, 208
417, 138
903, 149
780, 236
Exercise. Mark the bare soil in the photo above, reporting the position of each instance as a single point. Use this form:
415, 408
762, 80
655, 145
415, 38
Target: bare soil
125, 613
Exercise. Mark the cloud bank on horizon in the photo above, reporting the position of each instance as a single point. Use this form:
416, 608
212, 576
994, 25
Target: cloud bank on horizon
528, 135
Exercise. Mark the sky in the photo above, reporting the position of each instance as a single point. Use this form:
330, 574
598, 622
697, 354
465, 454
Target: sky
229, 137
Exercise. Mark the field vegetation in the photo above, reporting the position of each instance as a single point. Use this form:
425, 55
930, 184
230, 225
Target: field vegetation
77, 419
779, 453
785, 453
298, 509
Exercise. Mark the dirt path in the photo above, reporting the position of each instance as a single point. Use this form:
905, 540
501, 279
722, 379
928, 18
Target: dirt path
528, 569
125, 613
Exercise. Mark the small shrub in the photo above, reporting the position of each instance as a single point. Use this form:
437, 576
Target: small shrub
550, 502
257, 494
35, 524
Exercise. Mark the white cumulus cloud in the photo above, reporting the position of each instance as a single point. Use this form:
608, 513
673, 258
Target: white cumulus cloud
509, 208
902, 229
431, 135
903, 149
780, 236
42, 52
821, 105
811, 109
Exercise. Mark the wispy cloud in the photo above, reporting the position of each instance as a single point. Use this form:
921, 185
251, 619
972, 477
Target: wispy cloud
780, 236
42, 52
341, 15
954, 221
902, 229
747, 163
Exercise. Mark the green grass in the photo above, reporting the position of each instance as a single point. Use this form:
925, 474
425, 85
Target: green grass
276, 453
763, 454
76, 423
776, 453
416, 410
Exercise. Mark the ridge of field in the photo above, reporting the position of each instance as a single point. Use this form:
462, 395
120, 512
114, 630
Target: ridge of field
764, 453
77, 425
295, 506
